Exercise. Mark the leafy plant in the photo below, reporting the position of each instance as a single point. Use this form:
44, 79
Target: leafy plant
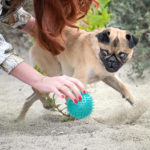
37, 68
96, 17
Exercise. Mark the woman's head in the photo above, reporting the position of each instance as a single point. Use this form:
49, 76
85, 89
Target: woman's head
51, 18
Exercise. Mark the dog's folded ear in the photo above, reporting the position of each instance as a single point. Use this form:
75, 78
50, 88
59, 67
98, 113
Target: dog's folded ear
103, 37
132, 40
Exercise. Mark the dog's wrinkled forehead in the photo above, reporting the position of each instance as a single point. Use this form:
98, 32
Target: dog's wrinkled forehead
114, 37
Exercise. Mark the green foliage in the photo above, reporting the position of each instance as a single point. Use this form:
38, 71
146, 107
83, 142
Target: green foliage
96, 18
49, 100
69, 118
135, 17
37, 68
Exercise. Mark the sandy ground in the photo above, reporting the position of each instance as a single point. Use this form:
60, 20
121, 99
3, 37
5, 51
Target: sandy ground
118, 126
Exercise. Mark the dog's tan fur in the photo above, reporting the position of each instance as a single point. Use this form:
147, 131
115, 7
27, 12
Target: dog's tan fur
80, 60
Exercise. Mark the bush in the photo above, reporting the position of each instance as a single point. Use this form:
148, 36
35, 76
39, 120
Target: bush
96, 17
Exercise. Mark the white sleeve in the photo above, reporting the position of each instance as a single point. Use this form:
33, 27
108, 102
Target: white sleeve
8, 60
18, 19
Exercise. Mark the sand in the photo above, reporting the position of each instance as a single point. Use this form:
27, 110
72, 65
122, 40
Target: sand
116, 125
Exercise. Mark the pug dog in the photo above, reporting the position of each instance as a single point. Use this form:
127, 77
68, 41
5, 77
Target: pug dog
89, 57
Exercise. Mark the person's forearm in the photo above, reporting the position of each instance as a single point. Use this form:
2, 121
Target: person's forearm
27, 74
30, 27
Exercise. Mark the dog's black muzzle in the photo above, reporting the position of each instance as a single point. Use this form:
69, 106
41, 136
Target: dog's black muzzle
112, 64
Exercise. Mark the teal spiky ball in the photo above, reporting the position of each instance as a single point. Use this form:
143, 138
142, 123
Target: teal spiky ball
82, 109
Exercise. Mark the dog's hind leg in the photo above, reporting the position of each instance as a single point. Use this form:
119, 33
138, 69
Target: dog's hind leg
29, 101
120, 87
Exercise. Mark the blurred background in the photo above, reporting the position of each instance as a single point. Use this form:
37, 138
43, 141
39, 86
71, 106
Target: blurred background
131, 15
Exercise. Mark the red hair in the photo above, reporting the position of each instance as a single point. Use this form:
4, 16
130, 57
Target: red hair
51, 18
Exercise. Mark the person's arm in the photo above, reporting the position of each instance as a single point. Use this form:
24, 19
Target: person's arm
21, 20
29, 27
17, 19
15, 66
59, 85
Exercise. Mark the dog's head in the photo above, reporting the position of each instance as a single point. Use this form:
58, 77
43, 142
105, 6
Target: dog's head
115, 47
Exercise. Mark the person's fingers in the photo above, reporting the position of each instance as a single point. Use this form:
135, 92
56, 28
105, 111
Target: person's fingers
74, 89
77, 83
68, 93
58, 93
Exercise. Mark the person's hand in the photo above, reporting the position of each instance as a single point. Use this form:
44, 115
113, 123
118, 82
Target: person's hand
62, 86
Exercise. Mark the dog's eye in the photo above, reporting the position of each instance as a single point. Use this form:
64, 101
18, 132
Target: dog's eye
123, 56
104, 52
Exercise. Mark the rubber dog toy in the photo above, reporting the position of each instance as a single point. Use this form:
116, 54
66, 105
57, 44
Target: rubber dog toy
82, 109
